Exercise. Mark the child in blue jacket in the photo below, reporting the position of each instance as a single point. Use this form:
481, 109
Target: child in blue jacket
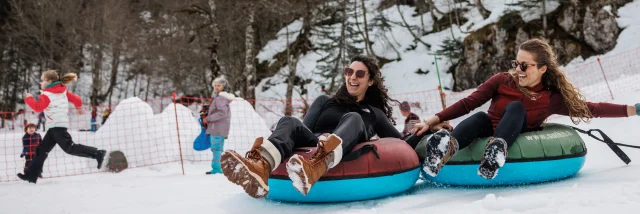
30, 141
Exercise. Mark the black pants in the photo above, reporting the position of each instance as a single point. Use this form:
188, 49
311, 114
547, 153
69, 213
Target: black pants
513, 122
60, 136
291, 133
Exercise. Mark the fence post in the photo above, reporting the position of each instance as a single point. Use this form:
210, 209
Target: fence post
444, 104
605, 78
175, 109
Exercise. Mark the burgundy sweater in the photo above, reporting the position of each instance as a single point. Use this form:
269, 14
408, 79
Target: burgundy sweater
501, 90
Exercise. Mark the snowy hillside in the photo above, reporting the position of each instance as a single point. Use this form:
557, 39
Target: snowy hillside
400, 76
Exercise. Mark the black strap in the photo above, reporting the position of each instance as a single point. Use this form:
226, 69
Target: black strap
609, 142
361, 151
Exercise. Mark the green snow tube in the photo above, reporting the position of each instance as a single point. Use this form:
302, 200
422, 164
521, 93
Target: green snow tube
555, 152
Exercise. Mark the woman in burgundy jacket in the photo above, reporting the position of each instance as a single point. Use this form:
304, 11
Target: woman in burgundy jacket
521, 100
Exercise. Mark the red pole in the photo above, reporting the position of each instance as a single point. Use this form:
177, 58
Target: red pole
605, 78
178, 130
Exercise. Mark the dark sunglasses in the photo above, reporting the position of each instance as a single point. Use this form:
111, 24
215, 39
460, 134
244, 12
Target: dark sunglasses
359, 73
523, 66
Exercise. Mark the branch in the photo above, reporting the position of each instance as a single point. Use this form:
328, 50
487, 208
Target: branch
415, 37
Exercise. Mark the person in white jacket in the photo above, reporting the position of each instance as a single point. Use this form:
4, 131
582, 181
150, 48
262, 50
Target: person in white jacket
54, 102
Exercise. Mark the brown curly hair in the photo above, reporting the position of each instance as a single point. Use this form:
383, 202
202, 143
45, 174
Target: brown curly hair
376, 95
555, 80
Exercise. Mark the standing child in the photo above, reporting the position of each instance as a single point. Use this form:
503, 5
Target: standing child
94, 115
30, 141
412, 118
54, 102
218, 121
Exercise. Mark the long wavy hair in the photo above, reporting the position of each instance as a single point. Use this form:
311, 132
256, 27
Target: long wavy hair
555, 80
376, 95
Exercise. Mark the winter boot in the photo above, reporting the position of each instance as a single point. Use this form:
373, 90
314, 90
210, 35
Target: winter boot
100, 157
24, 177
252, 171
495, 154
441, 147
305, 173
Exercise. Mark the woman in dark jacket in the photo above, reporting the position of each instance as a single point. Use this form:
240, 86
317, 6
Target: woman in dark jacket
359, 110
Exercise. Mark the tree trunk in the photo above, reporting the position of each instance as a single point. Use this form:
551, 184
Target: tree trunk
146, 92
455, 11
214, 64
544, 18
115, 62
355, 13
341, 44
483, 11
367, 41
97, 76
420, 4
249, 67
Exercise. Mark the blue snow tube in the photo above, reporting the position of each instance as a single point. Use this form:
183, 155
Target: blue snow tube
555, 152
380, 168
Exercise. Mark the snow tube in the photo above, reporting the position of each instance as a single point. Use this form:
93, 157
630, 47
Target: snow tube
555, 152
391, 166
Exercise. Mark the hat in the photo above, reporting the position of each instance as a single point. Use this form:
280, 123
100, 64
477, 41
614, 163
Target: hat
404, 106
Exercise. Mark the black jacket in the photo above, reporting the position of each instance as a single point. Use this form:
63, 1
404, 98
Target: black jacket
325, 113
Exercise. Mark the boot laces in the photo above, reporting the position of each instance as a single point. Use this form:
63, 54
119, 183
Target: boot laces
318, 157
254, 153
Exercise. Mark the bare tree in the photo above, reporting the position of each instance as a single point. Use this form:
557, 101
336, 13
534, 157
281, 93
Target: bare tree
367, 41
215, 64
249, 66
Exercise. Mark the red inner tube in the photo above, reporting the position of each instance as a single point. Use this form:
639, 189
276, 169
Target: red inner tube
395, 156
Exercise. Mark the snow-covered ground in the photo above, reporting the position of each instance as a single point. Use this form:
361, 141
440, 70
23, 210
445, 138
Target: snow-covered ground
604, 185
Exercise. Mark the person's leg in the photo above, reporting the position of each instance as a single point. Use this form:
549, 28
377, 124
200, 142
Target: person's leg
512, 123
349, 132
37, 162
64, 140
252, 170
442, 145
217, 144
27, 161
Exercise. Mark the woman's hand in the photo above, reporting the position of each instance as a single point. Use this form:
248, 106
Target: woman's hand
420, 128
442, 125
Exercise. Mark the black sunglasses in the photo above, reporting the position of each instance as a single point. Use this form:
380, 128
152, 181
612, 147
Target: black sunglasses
359, 73
523, 66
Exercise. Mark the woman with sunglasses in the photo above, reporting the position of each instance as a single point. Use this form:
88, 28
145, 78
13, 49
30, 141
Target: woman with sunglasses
359, 110
521, 100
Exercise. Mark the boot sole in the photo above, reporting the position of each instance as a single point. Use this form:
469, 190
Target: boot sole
433, 169
298, 176
485, 170
237, 172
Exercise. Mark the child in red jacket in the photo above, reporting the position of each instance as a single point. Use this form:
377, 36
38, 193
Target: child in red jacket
54, 102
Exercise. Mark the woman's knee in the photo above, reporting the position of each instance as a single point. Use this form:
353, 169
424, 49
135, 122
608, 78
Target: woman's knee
288, 120
516, 106
352, 116
480, 116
